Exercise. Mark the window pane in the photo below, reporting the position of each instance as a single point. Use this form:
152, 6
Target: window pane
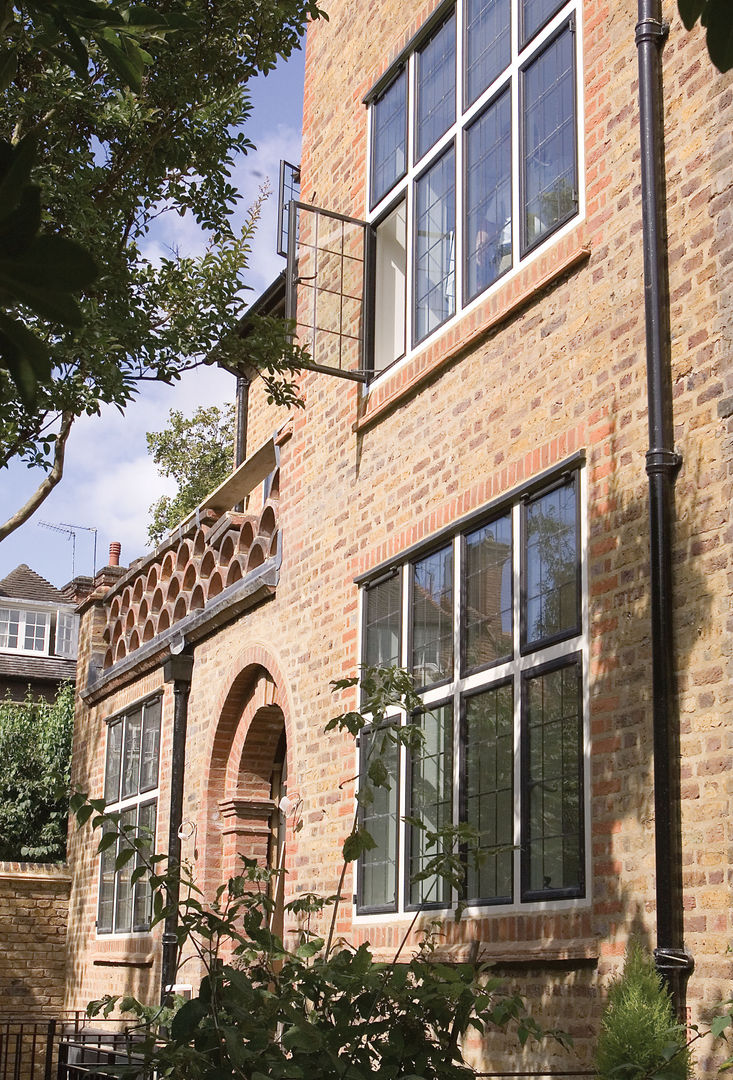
489, 196
105, 907
150, 747
553, 782
123, 907
552, 560
114, 763
378, 865
489, 792
383, 622
389, 137
435, 216
550, 178
488, 598
66, 634
535, 13
390, 299
432, 618
36, 625
488, 45
131, 766
435, 87
143, 900
431, 801
9, 622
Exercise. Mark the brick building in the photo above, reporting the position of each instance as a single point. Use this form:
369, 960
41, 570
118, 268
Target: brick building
470, 500
38, 634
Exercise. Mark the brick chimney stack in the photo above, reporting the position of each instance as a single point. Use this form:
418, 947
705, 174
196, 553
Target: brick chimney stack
114, 553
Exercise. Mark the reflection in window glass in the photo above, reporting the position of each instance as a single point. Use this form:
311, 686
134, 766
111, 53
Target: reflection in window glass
142, 908
123, 905
36, 627
488, 593
131, 763
489, 196
382, 630
552, 783
389, 137
535, 13
114, 762
9, 623
105, 907
488, 46
548, 159
489, 792
432, 618
435, 223
435, 87
67, 632
551, 564
150, 747
430, 801
379, 818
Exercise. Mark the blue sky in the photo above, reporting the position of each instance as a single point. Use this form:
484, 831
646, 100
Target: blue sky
109, 481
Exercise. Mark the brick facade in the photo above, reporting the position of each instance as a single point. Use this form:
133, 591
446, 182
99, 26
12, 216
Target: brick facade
551, 363
34, 901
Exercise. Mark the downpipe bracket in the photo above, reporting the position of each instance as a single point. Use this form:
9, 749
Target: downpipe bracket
652, 30
663, 461
673, 962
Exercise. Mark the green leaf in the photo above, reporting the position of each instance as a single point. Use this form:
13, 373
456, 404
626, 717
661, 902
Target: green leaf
719, 33
305, 1038
108, 840
690, 11
124, 857
16, 163
358, 841
25, 356
378, 773
8, 67
719, 1023
187, 1019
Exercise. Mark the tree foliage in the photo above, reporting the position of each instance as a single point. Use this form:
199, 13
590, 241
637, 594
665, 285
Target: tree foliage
322, 1007
35, 761
640, 1036
197, 452
116, 145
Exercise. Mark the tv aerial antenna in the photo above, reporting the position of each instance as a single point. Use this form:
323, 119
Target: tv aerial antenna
70, 532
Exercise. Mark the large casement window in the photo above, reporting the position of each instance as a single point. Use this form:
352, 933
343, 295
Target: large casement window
489, 618
473, 159
130, 788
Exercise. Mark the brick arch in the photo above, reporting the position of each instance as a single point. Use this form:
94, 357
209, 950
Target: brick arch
250, 716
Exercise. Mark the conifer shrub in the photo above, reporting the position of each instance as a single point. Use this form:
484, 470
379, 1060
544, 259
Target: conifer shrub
640, 1037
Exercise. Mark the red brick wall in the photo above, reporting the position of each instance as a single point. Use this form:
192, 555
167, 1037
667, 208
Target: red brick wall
551, 362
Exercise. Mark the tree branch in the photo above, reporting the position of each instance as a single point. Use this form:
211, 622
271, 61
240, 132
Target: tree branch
45, 488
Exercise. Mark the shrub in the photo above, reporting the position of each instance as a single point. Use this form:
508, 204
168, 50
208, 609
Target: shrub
640, 1036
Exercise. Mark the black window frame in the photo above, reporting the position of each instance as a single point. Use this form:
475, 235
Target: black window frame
569, 648
145, 796
523, 53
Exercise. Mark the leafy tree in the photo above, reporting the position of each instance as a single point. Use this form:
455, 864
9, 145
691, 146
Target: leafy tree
322, 1008
197, 452
115, 146
639, 1035
35, 759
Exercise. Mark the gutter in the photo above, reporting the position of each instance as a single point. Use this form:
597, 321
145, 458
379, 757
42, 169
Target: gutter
673, 963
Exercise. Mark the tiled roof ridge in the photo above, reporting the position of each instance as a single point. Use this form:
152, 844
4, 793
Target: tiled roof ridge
23, 583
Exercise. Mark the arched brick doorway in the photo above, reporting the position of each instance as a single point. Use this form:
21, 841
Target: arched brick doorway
246, 775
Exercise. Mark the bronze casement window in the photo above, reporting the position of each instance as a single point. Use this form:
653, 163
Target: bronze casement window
473, 159
131, 779
489, 619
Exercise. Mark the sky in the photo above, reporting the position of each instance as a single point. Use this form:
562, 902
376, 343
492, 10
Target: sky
109, 481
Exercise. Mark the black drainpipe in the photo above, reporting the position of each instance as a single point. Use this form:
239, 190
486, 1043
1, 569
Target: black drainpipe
177, 669
240, 438
662, 463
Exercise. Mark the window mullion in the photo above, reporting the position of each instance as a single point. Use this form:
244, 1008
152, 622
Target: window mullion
516, 136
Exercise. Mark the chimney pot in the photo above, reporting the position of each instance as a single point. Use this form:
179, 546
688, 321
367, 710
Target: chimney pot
114, 553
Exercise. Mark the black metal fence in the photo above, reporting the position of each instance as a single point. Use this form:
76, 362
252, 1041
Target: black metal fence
69, 1048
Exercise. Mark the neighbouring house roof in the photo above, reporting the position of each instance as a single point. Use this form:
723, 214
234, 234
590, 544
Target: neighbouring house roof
25, 584
37, 668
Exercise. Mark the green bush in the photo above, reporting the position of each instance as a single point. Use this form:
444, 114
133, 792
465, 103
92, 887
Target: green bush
640, 1036
35, 757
